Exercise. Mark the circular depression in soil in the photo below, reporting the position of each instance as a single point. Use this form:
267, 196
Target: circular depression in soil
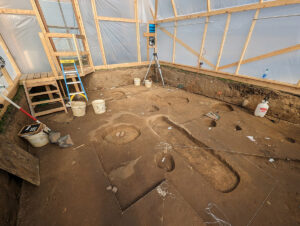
121, 134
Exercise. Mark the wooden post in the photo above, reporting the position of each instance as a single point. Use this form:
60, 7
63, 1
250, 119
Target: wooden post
203, 41
47, 51
78, 54
156, 8
82, 31
137, 26
9, 56
223, 40
147, 38
247, 41
98, 32
175, 30
7, 77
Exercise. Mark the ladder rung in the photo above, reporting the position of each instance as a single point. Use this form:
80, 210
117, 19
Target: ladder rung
43, 93
46, 101
49, 111
69, 83
70, 72
71, 94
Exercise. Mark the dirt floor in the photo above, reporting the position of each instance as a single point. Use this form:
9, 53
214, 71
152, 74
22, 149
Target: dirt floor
171, 164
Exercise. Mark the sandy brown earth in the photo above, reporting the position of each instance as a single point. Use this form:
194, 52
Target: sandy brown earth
169, 163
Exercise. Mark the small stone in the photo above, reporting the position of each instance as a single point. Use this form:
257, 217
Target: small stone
269, 203
108, 188
114, 189
122, 134
118, 134
65, 210
170, 127
245, 103
74, 162
271, 160
65, 141
54, 137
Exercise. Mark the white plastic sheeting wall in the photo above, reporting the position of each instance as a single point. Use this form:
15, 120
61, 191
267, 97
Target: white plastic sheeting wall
268, 35
20, 33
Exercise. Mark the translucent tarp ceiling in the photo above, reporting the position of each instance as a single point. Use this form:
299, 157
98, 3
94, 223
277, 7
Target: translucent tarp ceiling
13, 4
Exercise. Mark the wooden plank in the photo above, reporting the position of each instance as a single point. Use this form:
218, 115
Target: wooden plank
49, 111
62, 35
247, 41
247, 7
286, 87
17, 11
147, 34
62, 27
175, 31
48, 54
263, 56
19, 162
98, 31
28, 99
82, 30
137, 28
223, 40
187, 47
203, 41
7, 76
50, 94
81, 53
156, 8
46, 101
123, 65
147, 40
9, 56
116, 19
208, 5
78, 53
43, 93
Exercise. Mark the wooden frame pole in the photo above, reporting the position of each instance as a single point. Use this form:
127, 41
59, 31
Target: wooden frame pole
200, 57
98, 31
223, 40
9, 56
247, 41
137, 28
175, 31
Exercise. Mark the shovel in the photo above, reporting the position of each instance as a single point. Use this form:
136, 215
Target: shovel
54, 137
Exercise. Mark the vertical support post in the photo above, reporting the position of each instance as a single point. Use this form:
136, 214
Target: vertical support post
9, 56
82, 31
147, 38
175, 30
156, 7
7, 76
203, 40
48, 54
78, 54
223, 40
137, 26
98, 32
247, 41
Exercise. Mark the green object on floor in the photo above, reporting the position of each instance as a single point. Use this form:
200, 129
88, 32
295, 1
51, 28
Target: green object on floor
180, 86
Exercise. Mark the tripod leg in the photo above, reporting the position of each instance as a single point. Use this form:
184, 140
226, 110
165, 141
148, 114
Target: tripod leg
159, 69
148, 69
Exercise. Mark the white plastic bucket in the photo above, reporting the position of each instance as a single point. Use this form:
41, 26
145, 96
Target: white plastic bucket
137, 81
99, 106
148, 83
38, 140
78, 108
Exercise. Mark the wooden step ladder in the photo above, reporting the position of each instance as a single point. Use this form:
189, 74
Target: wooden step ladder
54, 96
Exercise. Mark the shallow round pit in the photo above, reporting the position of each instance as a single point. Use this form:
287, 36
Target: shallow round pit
121, 134
165, 161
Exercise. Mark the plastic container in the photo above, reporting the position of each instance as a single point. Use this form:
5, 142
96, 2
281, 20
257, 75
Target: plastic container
137, 81
99, 106
148, 83
261, 109
78, 108
35, 135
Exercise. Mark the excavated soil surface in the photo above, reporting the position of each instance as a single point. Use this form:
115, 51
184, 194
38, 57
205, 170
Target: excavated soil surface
154, 158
